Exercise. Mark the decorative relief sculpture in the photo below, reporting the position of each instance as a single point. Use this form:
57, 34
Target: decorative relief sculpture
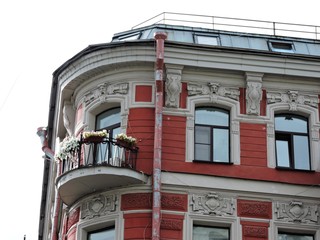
255, 232
253, 97
293, 98
68, 117
173, 90
213, 204
171, 224
102, 92
214, 90
296, 211
98, 206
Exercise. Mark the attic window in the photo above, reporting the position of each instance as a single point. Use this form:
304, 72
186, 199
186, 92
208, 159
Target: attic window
205, 39
280, 46
129, 37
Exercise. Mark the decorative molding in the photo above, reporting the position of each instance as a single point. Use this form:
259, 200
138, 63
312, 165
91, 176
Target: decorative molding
297, 211
235, 127
98, 206
253, 93
293, 99
254, 209
212, 204
175, 202
173, 86
214, 90
69, 117
134, 201
255, 231
171, 224
270, 130
104, 90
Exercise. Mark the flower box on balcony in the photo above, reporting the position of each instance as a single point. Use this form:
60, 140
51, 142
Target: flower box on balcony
95, 136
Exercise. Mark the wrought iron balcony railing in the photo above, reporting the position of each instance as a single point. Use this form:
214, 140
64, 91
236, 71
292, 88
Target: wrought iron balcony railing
102, 151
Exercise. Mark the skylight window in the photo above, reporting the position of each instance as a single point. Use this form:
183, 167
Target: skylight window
281, 46
129, 37
205, 39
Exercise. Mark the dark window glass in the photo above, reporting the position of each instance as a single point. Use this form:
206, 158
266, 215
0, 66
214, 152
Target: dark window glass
289, 236
105, 234
211, 134
292, 142
109, 120
210, 233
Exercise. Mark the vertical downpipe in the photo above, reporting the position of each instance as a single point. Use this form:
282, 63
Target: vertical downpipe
156, 186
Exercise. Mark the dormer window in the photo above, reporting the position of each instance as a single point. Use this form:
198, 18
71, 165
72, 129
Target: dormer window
207, 39
281, 46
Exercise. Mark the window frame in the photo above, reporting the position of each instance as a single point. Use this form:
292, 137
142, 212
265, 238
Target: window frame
197, 35
212, 226
101, 230
273, 46
111, 127
297, 234
212, 127
288, 136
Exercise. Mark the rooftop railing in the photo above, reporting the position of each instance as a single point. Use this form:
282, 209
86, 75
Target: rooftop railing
102, 151
235, 25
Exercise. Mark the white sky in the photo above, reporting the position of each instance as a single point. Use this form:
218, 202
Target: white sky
37, 36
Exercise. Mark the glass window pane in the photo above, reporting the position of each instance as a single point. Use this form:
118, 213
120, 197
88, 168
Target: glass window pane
202, 134
207, 40
286, 236
108, 118
202, 152
108, 234
212, 116
301, 152
210, 233
291, 124
221, 145
282, 153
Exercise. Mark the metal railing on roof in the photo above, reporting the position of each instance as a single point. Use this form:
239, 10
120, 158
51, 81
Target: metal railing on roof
235, 25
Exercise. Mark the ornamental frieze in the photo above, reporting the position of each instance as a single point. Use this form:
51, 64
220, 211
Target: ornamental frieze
98, 206
297, 211
214, 90
255, 231
254, 209
171, 224
293, 99
212, 204
177, 202
104, 90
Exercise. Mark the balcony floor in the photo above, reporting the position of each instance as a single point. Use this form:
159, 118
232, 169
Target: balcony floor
78, 183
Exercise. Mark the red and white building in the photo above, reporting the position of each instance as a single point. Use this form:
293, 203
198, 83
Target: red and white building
227, 136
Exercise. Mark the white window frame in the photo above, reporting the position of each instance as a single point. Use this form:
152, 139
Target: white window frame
86, 226
296, 228
313, 123
221, 102
212, 221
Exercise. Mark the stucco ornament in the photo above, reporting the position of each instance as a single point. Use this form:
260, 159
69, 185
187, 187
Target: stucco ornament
214, 90
104, 90
212, 203
253, 98
99, 205
173, 86
293, 99
297, 211
68, 118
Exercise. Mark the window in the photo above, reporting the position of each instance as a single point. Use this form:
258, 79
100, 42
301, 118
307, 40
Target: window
109, 120
281, 46
292, 142
289, 236
209, 40
210, 233
211, 134
104, 234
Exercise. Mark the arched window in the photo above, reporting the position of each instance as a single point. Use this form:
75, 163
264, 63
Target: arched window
109, 120
212, 135
292, 142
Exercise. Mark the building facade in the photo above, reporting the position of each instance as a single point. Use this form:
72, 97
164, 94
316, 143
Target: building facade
222, 131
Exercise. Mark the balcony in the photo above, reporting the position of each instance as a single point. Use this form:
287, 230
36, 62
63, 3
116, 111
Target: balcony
100, 164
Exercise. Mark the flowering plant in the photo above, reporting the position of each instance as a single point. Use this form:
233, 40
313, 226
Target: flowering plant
68, 148
125, 138
102, 133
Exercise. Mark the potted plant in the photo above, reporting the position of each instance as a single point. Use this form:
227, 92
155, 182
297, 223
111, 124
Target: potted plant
125, 141
68, 149
95, 136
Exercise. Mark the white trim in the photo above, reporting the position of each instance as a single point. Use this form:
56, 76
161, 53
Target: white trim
304, 110
223, 102
295, 228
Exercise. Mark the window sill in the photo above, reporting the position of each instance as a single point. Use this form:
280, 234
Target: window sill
293, 169
223, 163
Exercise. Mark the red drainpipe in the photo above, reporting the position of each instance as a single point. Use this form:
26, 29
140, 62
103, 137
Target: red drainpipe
42, 133
156, 186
